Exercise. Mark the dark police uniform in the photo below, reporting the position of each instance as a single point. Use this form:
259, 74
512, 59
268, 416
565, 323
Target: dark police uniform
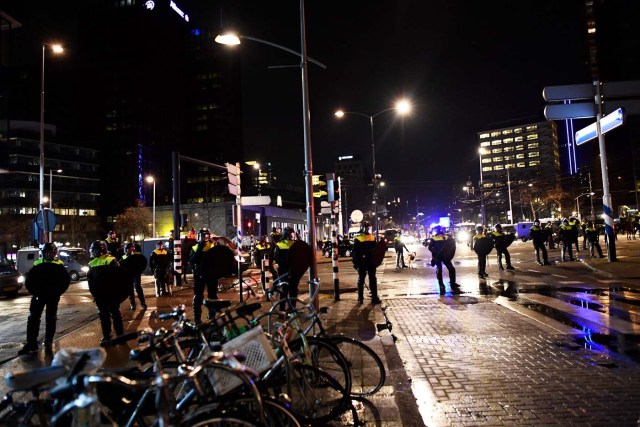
538, 236
363, 247
436, 246
107, 311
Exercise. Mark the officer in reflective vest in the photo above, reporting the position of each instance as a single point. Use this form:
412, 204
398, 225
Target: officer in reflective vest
281, 257
538, 236
107, 311
363, 247
199, 280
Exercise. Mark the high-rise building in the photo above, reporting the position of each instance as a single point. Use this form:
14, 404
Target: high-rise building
524, 158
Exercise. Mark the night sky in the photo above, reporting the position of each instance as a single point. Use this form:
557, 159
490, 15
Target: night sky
466, 65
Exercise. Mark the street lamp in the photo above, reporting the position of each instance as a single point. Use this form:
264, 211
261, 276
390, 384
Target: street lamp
51, 196
234, 39
402, 108
56, 49
481, 151
256, 166
151, 180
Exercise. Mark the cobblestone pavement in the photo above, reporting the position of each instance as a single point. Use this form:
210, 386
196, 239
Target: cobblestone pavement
474, 362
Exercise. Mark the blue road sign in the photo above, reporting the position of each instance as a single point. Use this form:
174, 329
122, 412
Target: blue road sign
608, 122
51, 220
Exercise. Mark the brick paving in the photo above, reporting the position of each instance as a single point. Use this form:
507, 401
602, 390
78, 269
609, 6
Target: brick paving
473, 362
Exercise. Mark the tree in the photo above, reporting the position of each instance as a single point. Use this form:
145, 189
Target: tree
134, 222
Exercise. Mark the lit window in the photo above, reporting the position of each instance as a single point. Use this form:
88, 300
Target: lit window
521, 164
507, 149
485, 144
498, 168
517, 130
511, 165
519, 139
507, 131
484, 135
534, 163
496, 150
496, 142
534, 154
487, 169
507, 158
498, 159
520, 156
532, 136
495, 133
487, 160
519, 147
508, 140
532, 145
531, 128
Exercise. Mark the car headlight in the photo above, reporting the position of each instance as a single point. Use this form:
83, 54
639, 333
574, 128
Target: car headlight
85, 269
20, 279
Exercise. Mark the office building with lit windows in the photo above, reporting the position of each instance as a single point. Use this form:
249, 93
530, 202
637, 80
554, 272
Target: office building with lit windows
524, 157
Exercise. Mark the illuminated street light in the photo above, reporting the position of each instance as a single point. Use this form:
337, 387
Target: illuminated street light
402, 107
56, 49
235, 39
151, 180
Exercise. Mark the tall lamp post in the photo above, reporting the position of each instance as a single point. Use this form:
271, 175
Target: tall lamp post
151, 180
481, 151
56, 49
578, 203
233, 39
51, 196
402, 107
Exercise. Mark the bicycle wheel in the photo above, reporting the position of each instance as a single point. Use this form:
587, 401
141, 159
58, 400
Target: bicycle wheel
315, 397
276, 413
219, 421
326, 356
367, 370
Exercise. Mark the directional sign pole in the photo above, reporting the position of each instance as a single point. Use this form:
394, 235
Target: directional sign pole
606, 197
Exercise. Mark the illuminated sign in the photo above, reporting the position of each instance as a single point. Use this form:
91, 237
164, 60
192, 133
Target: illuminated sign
150, 4
608, 122
175, 7
341, 158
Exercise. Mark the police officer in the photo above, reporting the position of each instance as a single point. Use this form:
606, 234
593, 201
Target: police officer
264, 251
199, 279
575, 225
159, 263
566, 237
281, 257
46, 282
436, 245
363, 248
500, 242
538, 236
593, 236
131, 261
108, 311
275, 236
113, 245
481, 244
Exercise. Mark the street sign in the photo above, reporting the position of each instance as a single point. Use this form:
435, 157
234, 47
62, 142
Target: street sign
51, 220
560, 93
255, 200
325, 204
325, 210
580, 110
233, 174
608, 122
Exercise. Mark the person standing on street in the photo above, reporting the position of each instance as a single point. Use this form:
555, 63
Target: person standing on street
199, 280
593, 235
575, 226
46, 282
399, 246
481, 245
363, 248
113, 245
501, 244
538, 236
159, 263
108, 309
548, 229
135, 263
439, 245
281, 257
264, 251
566, 237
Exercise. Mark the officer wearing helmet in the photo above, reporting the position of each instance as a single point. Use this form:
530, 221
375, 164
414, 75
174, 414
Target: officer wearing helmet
538, 236
108, 310
159, 263
46, 282
134, 262
363, 248
199, 278
281, 257
481, 245
438, 244
500, 242
113, 244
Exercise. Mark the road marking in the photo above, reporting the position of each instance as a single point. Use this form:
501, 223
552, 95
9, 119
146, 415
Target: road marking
559, 275
570, 282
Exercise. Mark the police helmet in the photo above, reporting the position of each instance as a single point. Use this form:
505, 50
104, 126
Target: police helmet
160, 244
49, 251
536, 222
364, 227
204, 234
97, 248
498, 227
479, 229
129, 246
438, 229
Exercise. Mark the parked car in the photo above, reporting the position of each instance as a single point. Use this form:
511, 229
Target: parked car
76, 261
10, 280
345, 248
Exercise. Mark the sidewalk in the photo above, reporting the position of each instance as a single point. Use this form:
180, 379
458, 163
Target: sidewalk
628, 265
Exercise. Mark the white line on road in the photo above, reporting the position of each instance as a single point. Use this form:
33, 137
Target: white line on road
559, 275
